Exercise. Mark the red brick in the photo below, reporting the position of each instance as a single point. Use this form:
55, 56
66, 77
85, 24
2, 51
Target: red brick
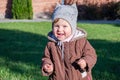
48, 5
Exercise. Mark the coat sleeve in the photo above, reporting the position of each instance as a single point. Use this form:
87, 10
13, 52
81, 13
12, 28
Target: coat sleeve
46, 59
89, 55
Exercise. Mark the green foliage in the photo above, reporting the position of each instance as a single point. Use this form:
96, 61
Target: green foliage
22, 9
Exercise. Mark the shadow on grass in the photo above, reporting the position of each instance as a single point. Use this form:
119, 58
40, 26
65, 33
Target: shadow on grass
20, 49
18, 46
107, 66
117, 25
22, 46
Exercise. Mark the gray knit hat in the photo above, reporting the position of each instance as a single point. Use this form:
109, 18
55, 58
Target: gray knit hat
68, 13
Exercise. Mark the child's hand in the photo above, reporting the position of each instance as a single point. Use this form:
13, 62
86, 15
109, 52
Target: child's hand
82, 63
48, 68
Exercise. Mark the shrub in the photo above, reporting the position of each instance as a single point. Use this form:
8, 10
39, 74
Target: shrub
88, 12
22, 9
109, 11
118, 10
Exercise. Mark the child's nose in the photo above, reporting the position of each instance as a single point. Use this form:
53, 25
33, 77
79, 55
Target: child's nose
60, 29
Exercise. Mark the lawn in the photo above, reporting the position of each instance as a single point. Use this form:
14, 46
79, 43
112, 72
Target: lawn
22, 45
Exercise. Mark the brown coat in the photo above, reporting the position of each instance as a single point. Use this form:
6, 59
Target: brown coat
66, 68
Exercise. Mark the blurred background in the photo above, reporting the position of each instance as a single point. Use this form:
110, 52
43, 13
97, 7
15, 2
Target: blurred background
36, 9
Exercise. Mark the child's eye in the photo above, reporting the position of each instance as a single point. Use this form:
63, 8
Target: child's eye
56, 26
64, 26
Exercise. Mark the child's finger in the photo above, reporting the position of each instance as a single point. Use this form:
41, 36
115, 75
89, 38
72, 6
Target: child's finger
80, 61
48, 66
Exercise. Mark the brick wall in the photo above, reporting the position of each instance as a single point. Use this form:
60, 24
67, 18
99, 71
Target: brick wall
95, 2
43, 6
3, 4
5, 9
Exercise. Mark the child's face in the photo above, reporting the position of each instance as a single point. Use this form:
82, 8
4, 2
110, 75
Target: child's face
62, 29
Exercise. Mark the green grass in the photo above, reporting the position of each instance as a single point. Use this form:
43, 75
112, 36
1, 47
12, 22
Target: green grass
22, 45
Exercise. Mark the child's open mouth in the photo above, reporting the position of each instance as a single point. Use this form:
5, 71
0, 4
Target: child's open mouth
60, 34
